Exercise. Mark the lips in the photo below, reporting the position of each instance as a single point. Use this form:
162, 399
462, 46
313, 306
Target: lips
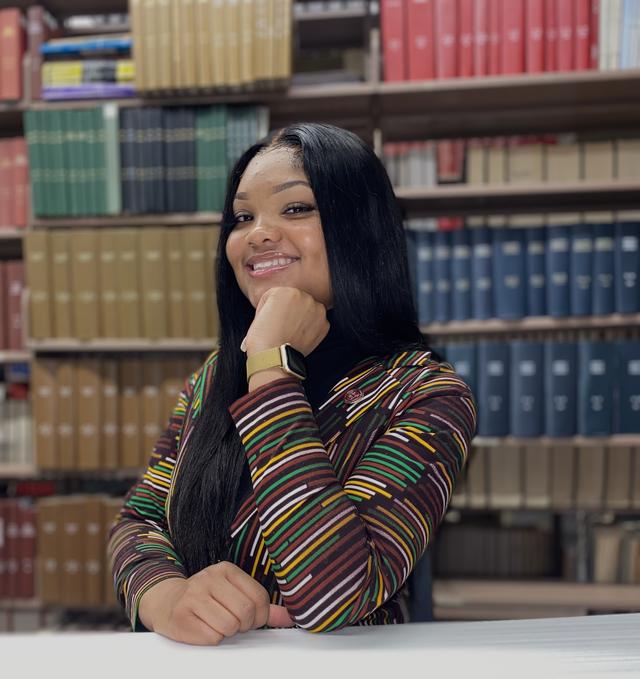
269, 263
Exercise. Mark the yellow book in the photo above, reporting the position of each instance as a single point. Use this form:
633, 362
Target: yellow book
282, 39
149, 14
177, 44
165, 45
219, 45
189, 43
232, 52
260, 38
139, 48
246, 41
204, 9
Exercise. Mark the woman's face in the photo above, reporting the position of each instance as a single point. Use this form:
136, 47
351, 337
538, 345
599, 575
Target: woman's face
278, 238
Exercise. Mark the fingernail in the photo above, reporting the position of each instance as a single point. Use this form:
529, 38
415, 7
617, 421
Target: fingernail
242, 346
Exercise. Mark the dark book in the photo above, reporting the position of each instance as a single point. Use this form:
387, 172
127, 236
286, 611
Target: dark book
425, 276
463, 358
558, 263
509, 273
481, 273
627, 412
527, 388
596, 372
127, 161
442, 275
171, 123
603, 269
410, 241
627, 267
493, 388
536, 271
461, 275
560, 388
189, 164
581, 267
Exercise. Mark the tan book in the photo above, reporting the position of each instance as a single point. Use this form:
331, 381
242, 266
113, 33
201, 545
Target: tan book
150, 39
618, 478
84, 265
635, 482
590, 477
284, 40
174, 377
606, 543
270, 51
108, 286
67, 432
39, 282
49, 550
537, 478
563, 477
110, 510
246, 9
598, 165
261, 58
153, 419
196, 282
233, 51
72, 538
505, 477
94, 549
218, 44
477, 478
189, 43
525, 165
153, 283
130, 413
177, 45
128, 272
497, 171
628, 152
176, 277
44, 393
164, 55
203, 11
89, 418
136, 17
211, 237
63, 311
563, 166
110, 414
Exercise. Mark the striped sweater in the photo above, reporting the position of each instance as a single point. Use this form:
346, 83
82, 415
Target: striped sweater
344, 501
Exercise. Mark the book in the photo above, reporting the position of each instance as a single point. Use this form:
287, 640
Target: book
61, 275
461, 275
603, 269
536, 286
393, 23
526, 389
84, 267
627, 267
534, 36
627, 381
581, 268
425, 276
560, 388
595, 388
512, 36
421, 39
38, 271
462, 355
14, 272
558, 263
442, 275
493, 388
12, 47
447, 28
509, 248
482, 273
481, 37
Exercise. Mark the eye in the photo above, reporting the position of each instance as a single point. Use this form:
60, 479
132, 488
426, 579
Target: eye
242, 217
298, 208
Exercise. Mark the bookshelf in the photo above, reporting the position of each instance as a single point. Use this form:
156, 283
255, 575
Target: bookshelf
14, 357
172, 219
9, 234
121, 345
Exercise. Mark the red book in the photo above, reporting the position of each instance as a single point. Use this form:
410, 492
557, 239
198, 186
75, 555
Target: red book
15, 285
12, 557
481, 37
4, 584
41, 27
392, 17
27, 551
582, 45
534, 30
512, 29
495, 57
551, 35
566, 23
20, 168
465, 67
594, 32
4, 315
5, 184
11, 52
421, 40
446, 23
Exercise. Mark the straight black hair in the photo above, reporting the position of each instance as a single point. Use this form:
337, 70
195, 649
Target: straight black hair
373, 307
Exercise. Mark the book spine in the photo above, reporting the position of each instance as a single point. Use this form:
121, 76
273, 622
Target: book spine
425, 277
603, 269
463, 357
66, 396
461, 275
551, 35
512, 32
536, 278
15, 284
466, 49
595, 388
560, 388
44, 401
153, 283
493, 388
534, 40
63, 294
581, 267
447, 31
442, 275
481, 37
110, 431
420, 27
495, 37
627, 267
527, 389
12, 46
566, 38
84, 265
392, 17
594, 34
582, 38
558, 258
482, 273
88, 414
627, 413
509, 268
130, 415
35, 39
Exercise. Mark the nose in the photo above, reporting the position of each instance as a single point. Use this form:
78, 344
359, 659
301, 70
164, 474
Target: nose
262, 231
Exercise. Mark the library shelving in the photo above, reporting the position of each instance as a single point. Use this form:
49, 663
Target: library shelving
121, 345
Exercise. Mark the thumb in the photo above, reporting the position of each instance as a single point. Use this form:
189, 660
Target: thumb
279, 617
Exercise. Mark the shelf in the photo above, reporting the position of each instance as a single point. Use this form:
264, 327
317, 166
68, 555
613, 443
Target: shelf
14, 357
591, 596
11, 234
614, 441
336, 29
118, 345
496, 326
18, 471
469, 199
172, 219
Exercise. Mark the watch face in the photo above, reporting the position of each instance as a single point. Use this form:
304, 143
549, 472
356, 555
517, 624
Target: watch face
296, 362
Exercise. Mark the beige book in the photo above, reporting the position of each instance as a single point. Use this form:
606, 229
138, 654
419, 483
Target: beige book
84, 266
497, 172
598, 165
203, 11
477, 478
211, 237
49, 550
177, 45
174, 377
73, 575
108, 287
261, 18
110, 419
246, 24
606, 542
151, 50
176, 277
590, 477
618, 478
563, 477
233, 47
152, 415
628, 153
130, 415
128, 272
505, 477
537, 479
477, 162
136, 17
635, 482
45, 417
67, 432
63, 313
218, 45
284, 40
563, 167
153, 283
89, 419
111, 507
270, 43
196, 282
525, 165
39, 282
165, 58
189, 43
94, 548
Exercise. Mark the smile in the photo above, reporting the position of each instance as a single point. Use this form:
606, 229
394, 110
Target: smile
270, 266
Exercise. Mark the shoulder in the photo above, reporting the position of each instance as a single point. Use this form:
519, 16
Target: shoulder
203, 374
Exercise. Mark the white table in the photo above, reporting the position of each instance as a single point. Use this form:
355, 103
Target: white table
597, 646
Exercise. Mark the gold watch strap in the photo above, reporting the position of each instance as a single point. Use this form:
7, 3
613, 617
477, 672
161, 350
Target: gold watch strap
269, 358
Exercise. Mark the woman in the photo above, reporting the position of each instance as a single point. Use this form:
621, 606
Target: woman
298, 484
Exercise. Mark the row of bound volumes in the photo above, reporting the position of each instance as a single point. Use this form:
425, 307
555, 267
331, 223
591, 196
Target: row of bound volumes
14, 183
108, 160
145, 282
512, 273
89, 78
16, 441
210, 44
527, 388
11, 293
12, 47
103, 414
17, 549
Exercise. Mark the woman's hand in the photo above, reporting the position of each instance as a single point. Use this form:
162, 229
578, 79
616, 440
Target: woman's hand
215, 603
288, 315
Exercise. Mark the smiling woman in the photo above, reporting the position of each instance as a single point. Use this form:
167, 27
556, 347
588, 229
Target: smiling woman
310, 460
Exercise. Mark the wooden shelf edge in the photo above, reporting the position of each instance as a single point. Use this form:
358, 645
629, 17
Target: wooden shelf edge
116, 345
11, 233
18, 471
613, 441
14, 357
172, 219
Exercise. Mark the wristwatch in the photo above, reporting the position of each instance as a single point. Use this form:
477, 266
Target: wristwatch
284, 356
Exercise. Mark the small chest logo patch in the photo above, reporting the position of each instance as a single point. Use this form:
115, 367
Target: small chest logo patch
353, 396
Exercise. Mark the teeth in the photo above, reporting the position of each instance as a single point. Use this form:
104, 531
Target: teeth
259, 266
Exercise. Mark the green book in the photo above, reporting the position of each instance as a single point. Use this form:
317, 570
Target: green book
111, 126
32, 124
219, 156
70, 150
87, 183
59, 183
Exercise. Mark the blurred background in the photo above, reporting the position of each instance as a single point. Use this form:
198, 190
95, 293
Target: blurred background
510, 131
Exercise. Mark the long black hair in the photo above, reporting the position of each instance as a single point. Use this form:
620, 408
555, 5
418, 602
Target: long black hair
373, 307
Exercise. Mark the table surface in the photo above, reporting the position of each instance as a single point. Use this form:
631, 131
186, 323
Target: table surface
593, 646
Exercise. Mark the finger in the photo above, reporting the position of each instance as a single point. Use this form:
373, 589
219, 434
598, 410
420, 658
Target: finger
234, 600
218, 617
254, 590
265, 296
195, 631
279, 617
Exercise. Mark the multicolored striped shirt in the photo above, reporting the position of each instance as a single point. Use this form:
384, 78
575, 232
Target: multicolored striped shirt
344, 501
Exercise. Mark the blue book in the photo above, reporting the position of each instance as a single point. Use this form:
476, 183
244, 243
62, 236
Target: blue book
90, 45
442, 275
424, 276
560, 388
411, 237
462, 357
596, 372
603, 269
627, 420
536, 271
509, 273
493, 388
481, 273
627, 267
558, 262
461, 275
581, 267
527, 388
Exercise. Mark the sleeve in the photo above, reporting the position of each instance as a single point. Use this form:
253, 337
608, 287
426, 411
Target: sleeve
339, 552
139, 548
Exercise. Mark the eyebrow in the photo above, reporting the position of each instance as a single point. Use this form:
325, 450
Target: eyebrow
277, 189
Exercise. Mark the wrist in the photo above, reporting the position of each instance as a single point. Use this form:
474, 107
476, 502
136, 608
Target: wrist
157, 599
262, 377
